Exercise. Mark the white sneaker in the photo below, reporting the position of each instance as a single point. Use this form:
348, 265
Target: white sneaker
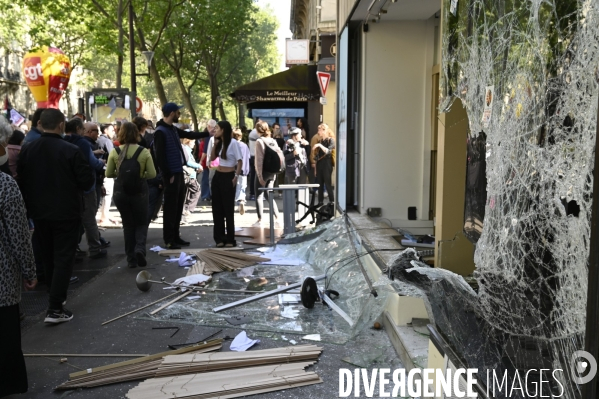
258, 224
241, 208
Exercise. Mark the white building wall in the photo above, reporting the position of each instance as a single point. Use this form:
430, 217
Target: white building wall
395, 122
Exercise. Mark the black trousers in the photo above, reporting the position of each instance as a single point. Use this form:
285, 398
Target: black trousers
174, 198
252, 176
193, 195
134, 213
12, 363
155, 194
223, 207
324, 170
59, 241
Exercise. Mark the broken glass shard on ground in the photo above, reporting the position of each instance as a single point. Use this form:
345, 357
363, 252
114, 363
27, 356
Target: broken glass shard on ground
328, 253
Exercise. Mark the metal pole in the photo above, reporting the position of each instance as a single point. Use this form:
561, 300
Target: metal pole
132, 103
264, 295
591, 343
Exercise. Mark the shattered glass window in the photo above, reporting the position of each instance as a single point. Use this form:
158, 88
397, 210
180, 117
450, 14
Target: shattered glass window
324, 250
525, 72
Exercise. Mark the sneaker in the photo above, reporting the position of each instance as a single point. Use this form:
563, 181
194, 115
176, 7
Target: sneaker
102, 253
141, 259
73, 279
172, 245
220, 245
229, 245
182, 242
58, 316
252, 198
257, 224
241, 208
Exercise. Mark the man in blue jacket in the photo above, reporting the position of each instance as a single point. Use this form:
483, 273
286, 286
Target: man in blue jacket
170, 159
74, 129
34, 133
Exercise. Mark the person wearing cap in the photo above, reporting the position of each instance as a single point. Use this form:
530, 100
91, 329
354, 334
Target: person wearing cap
296, 160
170, 158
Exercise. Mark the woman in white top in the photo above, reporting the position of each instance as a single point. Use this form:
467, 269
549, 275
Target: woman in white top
264, 178
224, 183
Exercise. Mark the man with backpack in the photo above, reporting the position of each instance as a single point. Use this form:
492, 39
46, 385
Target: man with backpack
268, 162
170, 159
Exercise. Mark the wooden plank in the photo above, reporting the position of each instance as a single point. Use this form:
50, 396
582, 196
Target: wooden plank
213, 343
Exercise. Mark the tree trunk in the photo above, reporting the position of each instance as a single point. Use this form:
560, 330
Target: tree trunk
221, 110
158, 83
67, 96
119, 66
186, 97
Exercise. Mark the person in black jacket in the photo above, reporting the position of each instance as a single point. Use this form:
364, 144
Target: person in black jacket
170, 159
53, 176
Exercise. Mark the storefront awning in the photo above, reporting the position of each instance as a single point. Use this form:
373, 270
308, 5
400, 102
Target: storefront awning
327, 65
297, 84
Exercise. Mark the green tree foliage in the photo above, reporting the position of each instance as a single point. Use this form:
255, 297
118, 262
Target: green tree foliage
203, 49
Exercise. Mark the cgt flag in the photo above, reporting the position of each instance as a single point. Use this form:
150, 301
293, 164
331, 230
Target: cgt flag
47, 72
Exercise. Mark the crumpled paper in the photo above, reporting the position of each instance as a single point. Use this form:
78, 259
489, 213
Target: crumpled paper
183, 260
241, 343
157, 248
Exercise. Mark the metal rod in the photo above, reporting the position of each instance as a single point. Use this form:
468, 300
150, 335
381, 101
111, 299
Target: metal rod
138, 309
591, 341
337, 309
370, 286
264, 295
190, 287
78, 355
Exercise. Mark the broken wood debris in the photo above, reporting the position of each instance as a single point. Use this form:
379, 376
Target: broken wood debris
131, 370
205, 362
218, 260
227, 383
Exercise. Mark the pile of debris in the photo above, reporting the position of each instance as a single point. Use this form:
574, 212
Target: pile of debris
131, 370
231, 374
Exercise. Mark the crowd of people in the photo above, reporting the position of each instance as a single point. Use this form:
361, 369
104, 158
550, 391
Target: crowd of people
61, 175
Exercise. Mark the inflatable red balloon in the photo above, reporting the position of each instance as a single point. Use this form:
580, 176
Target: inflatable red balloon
47, 72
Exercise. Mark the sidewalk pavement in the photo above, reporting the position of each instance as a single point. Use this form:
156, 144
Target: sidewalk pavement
107, 289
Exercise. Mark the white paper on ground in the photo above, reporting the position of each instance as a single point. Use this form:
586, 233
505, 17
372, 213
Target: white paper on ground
193, 279
183, 260
241, 343
157, 248
289, 312
246, 272
312, 337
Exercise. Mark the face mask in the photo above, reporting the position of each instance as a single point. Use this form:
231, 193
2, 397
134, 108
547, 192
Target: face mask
4, 158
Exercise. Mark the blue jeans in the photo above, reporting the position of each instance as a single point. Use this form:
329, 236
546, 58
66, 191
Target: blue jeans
242, 182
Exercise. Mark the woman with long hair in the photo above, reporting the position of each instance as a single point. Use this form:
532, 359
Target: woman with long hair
323, 156
132, 206
224, 184
263, 178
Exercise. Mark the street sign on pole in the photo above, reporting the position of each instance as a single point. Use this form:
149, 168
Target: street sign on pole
323, 80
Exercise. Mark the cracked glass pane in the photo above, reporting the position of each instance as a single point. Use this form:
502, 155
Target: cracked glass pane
330, 254
526, 71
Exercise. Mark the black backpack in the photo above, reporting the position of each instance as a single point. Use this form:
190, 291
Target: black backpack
128, 173
274, 162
